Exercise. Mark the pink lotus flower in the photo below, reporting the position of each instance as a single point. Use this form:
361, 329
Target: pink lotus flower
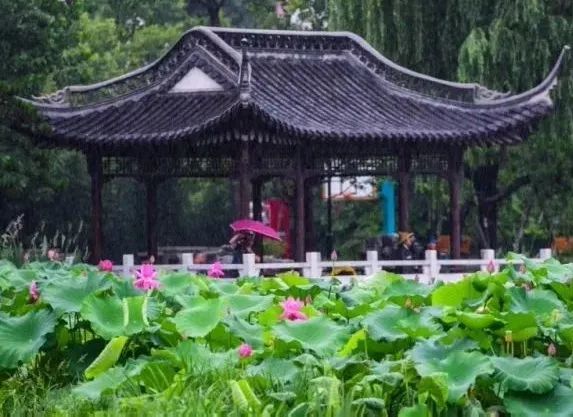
291, 310
105, 265
215, 271
491, 267
34, 292
245, 351
279, 9
551, 350
146, 278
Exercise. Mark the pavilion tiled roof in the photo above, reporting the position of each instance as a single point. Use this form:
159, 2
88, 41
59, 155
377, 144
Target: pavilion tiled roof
281, 86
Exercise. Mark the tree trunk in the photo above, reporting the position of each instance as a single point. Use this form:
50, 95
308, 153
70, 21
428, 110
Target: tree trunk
484, 179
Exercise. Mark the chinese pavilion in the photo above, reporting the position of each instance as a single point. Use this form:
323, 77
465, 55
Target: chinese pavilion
255, 104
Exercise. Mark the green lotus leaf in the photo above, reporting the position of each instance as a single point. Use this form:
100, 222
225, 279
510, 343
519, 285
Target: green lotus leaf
111, 317
135, 314
224, 287
198, 358
200, 317
436, 387
352, 344
522, 325
276, 369
477, 321
242, 305
68, 293
157, 376
293, 279
394, 323
418, 410
250, 333
537, 375
19, 279
105, 382
538, 302
105, 315
177, 283
556, 403
22, 337
406, 288
318, 334
454, 295
357, 296
461, 367
107, 358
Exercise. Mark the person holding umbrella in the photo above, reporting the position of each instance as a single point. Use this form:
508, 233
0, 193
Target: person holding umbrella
241, 243
244, 238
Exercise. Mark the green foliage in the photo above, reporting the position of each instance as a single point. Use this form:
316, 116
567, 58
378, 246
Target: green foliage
469, 347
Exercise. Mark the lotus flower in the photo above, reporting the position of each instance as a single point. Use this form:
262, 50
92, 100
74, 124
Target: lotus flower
279, 9
105, 265
333, 256
33, 292
551, 350
53, 255
245, 351
491, 267
291, 310
146, 278
215, 271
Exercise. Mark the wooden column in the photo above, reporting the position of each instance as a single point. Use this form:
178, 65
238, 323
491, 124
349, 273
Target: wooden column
309, 193
455, 179
299, 209
330, 236
151, 212
257, 192
96, 226
244, 182
404, 163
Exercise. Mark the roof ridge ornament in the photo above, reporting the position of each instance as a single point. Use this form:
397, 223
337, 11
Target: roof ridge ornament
245, 73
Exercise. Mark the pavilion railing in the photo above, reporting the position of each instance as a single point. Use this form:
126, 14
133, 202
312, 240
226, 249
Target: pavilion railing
427, 270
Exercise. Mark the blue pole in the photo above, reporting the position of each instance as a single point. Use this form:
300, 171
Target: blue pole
388, 207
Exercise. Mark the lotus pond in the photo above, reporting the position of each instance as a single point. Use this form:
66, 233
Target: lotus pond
75, 340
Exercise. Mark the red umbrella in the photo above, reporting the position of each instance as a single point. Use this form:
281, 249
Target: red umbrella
253, 226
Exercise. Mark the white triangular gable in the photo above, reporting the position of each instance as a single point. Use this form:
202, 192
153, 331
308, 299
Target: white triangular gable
196, 80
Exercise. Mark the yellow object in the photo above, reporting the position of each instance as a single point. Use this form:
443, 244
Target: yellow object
343, 270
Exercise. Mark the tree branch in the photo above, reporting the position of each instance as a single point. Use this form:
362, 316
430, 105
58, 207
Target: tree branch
509, 190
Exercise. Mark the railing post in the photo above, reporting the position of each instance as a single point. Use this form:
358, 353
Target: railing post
488, 255
545, 254
431, 271
70, 259
313, 269
187, 261
127, 263
249, 268
372, 259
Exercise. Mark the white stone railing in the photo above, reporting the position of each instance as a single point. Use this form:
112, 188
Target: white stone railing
428, 269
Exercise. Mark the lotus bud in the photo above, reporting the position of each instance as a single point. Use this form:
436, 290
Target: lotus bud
481, 309
491, 267
551, 349
508, 336
308, 300
556, 316
408, 303
245, 351
522, 269
333, 256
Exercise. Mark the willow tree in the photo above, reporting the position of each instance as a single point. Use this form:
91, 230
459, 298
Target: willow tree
505, 44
